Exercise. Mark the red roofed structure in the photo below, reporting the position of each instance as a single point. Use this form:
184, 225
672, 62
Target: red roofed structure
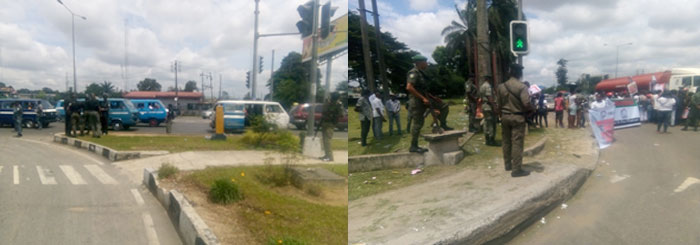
191, 103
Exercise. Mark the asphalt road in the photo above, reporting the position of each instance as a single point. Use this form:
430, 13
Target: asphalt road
645, 190
51, 194
181, 125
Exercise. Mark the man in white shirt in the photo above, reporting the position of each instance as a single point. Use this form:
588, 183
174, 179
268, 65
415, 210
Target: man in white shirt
378, 115
665, 103
393, 107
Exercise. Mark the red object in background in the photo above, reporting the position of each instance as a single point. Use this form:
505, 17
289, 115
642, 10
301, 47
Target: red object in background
643, 82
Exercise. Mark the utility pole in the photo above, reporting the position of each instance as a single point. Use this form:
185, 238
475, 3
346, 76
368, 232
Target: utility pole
254, 74
314, 67
482, 41
176, 68
126, 56
220, 85
369, 73
201, 74
211, 87
520, 17
272, 73
380, 55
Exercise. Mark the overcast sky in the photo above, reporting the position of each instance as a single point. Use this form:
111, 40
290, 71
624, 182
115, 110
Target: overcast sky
664, 33
212, 36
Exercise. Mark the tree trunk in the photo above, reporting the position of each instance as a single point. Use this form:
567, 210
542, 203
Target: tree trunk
482, 38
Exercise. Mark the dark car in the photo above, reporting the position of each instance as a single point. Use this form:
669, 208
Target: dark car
298, 115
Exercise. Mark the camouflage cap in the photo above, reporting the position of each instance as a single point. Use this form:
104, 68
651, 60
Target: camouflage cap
419, 58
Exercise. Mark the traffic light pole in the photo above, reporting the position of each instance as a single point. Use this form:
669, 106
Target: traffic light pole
520, 17
254, 75
314, 73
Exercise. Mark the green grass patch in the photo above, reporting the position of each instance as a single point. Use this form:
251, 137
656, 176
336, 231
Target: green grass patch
166, 170
270, 215
397, 143
224, 191
339, 144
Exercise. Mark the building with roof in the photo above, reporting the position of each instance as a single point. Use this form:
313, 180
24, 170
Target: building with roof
190, 103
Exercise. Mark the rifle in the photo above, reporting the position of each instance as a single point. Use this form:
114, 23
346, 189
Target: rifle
434, 110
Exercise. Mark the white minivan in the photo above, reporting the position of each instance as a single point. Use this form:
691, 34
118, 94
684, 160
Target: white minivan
272, 111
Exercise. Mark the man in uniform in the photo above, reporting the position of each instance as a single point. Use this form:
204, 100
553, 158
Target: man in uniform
488, 107
694, 113
92, 106
417, 86
332, 111
514, 102
67, 104
104, 114
76, 109
472, 93
17, 113
169, 119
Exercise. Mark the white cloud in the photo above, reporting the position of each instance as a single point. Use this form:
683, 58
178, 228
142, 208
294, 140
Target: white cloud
422, 31
423, 5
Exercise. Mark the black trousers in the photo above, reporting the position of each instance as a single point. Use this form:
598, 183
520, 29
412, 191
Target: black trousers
365, 124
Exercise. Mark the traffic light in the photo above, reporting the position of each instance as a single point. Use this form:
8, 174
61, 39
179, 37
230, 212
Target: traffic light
519, 37
305, 25
326, 13
247, 79
261, 63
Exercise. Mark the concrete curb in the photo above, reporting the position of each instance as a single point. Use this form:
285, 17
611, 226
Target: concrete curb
106, 152
190, 227
535, 149
505, 222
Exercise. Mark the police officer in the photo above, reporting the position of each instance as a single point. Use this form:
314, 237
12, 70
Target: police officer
514, 102
104, 114
40, 115
169, 119
488, 107
17, 113
92, 107
417, 86
472, 93
694, 113
67, 104
76, 110
332, 111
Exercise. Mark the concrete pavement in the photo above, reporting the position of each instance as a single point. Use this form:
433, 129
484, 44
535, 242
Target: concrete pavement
645, 191
54, 195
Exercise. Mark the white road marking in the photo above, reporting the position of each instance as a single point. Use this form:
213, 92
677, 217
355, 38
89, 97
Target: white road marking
100, 174
617, 178
150, 230
687, 183
73, 176
15, 174
137, 196
45, 180
1, 169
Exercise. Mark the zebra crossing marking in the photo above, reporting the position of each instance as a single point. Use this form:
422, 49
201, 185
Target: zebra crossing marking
100, 174
72, 175
45, 179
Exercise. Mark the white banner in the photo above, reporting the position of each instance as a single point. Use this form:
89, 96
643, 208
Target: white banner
626, 113
602, 123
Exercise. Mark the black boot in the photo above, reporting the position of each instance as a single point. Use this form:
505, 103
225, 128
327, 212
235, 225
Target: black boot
519, 173
415, 148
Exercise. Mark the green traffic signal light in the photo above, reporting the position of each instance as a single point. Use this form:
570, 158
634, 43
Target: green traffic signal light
519, 43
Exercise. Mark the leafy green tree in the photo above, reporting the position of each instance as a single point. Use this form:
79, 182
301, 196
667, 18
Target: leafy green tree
95, 89
460, 37
2, 84
190, 86
107, 87
148, 84
291, 80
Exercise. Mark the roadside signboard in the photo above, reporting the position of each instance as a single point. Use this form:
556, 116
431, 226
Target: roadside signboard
336, 41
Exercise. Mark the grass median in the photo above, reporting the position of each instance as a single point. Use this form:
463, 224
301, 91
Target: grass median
269, 214
178, 143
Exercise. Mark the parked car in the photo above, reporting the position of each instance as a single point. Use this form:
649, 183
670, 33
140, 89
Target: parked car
239, 111
152, 112
29, 117
299, 114
122, 113
207, 114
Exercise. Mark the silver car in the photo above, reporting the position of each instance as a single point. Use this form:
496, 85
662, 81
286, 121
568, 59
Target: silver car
207, 114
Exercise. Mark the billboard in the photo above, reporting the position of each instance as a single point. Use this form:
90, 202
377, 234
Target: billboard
336, 41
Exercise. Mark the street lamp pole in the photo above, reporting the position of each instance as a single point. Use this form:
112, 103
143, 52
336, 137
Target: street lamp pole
75, 80
617, 54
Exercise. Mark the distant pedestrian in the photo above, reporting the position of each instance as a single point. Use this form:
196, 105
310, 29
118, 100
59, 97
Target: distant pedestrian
694, 111
364, 109
514, 103
665, 105
104, 114
393, 109
572, 111
67, 104
542, 110
559, 111
76, 118
332, 111
40, 116
599, 102
92, 107
472, 93
642, 102
655, 105
18, 112
378, 115
169, 119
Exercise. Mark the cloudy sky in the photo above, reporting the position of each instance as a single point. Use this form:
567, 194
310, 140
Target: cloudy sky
204, 35
664, 33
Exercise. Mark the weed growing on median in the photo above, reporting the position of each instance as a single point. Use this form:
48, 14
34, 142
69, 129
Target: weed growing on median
166, 170
284, 241
313, 189
224, 191
266, 135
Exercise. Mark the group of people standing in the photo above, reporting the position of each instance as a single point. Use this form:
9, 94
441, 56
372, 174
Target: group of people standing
576, 105
85, 116
670, 108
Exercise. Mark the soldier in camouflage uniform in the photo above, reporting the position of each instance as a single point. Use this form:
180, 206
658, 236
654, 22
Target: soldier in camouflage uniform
471, 92
488, 107
332, 111
417, 86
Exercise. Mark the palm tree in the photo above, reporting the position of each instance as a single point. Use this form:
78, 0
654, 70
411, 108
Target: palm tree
462, 34
107, 87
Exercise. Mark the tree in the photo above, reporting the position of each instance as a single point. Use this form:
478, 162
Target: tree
148, 84
561, 73
460, 36
291, 81
397, 56
342, 86
95, 89
190, 86
2, 84
444, 77
500, 13
107, 88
